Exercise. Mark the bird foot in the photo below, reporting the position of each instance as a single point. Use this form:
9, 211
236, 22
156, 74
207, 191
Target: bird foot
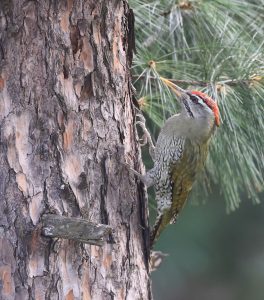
131, 170
146, 137
147, 179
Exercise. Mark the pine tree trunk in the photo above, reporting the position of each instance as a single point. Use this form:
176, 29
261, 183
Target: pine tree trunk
66, 126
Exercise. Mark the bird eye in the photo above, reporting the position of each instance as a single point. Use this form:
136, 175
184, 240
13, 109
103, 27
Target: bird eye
196, 99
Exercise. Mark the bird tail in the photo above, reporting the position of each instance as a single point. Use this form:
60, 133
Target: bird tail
161, 222
155, 233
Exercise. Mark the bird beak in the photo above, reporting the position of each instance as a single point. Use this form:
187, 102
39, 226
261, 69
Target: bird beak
176, 89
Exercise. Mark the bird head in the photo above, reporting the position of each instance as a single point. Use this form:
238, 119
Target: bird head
195, 103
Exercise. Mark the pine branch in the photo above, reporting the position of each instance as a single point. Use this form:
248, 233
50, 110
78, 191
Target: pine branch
223, 50
230, 82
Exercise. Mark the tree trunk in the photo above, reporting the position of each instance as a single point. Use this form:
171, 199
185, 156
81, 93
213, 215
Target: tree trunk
66, 120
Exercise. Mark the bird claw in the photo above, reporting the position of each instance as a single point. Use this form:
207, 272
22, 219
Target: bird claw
146, 137
144, 140
141, 118
130, 169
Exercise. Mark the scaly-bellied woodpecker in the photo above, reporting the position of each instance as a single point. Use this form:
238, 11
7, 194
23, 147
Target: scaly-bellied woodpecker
180, 153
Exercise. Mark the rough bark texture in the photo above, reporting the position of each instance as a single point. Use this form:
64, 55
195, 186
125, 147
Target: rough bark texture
66, 124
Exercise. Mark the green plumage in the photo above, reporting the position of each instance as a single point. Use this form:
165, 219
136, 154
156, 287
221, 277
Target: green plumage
182, 176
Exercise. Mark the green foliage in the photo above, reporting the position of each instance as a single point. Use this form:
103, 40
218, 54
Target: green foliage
217, 47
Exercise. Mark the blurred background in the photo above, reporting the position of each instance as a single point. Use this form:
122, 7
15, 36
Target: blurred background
216, 248
213, 255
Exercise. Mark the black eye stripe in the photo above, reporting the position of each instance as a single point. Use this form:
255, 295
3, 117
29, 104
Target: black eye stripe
195, 98
188, 109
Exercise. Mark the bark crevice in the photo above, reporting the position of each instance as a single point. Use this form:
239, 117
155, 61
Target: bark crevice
65, 112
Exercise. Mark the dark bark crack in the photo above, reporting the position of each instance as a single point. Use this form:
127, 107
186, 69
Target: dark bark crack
103, 192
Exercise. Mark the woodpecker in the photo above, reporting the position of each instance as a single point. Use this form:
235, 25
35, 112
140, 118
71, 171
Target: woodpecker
180, 153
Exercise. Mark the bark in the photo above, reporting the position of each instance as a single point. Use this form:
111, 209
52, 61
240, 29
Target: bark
66, 120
